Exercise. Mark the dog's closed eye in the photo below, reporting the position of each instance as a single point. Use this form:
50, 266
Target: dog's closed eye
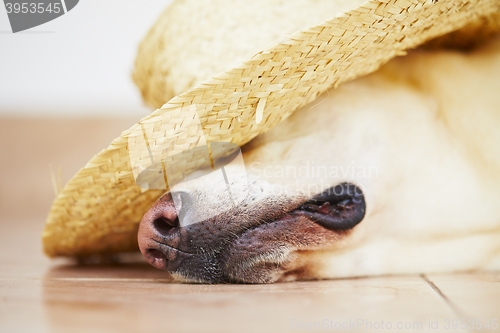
338, 208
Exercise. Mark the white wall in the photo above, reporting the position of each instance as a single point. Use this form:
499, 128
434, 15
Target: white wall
79, 64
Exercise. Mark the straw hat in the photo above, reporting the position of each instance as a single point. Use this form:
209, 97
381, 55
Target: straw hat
236, 69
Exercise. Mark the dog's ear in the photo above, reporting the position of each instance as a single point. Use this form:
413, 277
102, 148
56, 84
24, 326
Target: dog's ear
340, 207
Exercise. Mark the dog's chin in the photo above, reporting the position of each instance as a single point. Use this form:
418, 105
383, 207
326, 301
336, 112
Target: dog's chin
269, 267
264, 269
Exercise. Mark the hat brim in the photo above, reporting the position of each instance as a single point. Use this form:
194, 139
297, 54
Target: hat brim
99, 209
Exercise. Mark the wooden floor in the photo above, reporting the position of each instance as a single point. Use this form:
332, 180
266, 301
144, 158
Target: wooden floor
42, 295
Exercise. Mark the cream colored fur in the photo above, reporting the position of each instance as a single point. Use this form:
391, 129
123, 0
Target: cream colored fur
430, 124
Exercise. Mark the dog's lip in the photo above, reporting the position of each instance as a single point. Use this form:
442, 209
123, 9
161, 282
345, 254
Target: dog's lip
313, 216
165, 257
171, 248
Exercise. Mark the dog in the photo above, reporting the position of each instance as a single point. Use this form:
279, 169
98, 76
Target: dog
397, 172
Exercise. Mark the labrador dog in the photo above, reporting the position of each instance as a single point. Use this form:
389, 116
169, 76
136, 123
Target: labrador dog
397, 172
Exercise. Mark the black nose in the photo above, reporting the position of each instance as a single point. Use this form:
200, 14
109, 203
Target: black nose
159, 233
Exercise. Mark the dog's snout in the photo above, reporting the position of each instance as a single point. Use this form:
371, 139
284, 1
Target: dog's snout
161, 222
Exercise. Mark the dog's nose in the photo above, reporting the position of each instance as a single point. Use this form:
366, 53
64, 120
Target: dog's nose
159, 223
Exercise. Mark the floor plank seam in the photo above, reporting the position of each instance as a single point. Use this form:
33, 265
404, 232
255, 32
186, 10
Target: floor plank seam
459, 312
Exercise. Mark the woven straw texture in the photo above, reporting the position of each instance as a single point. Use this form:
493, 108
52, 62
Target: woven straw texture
194, 40
99, 209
